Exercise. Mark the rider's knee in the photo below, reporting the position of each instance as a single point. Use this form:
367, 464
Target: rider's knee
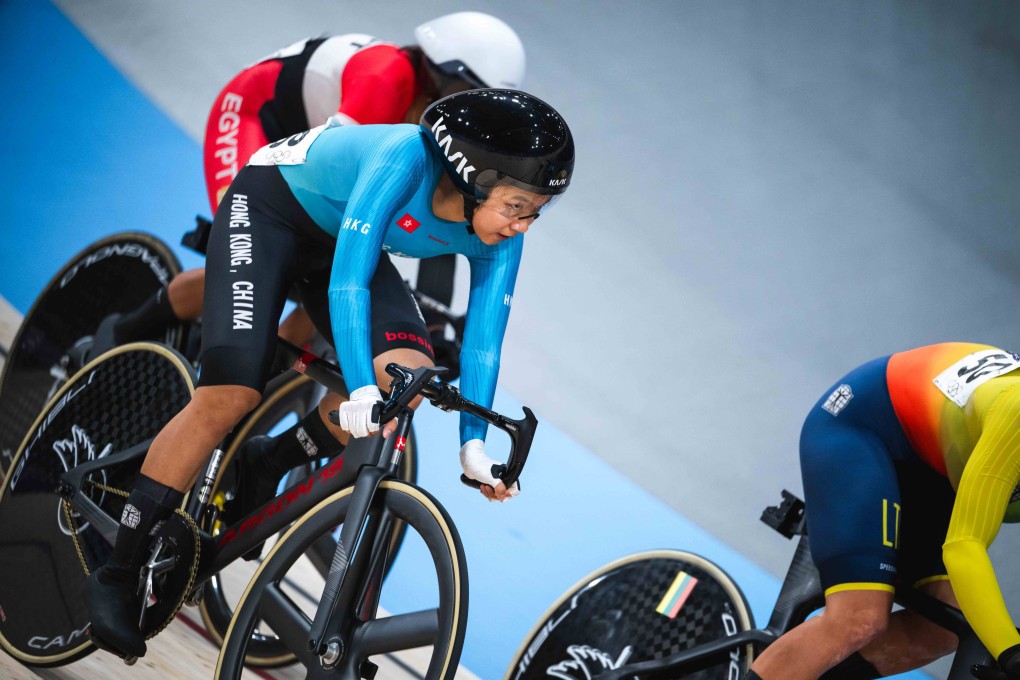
863, 625
225, 405
940, 641
408, 358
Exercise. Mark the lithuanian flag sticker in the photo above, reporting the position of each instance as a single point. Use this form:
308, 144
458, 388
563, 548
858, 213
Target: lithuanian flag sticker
673, 601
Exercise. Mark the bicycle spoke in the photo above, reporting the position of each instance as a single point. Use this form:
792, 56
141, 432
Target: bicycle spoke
395, 633
289, 623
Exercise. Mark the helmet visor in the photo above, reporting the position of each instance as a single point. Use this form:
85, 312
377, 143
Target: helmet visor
513, 199
454, 76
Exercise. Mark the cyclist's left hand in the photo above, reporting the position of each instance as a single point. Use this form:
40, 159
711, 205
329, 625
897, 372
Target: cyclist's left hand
478, 466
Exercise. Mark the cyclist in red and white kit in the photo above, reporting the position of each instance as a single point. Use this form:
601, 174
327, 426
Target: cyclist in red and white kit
358, 80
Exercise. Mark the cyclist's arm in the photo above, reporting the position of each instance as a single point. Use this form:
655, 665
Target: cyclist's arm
988, 480
377, 86
492, 289
386, 180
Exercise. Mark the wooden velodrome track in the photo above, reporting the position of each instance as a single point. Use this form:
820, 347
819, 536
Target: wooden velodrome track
185, 649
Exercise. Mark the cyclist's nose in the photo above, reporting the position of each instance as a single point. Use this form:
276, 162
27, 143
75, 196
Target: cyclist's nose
520, 226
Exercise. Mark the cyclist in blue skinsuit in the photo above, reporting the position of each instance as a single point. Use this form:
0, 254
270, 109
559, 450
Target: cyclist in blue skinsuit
471, 179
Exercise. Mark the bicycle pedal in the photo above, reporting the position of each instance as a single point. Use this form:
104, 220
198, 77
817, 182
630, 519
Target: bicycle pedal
195, 597
367, 670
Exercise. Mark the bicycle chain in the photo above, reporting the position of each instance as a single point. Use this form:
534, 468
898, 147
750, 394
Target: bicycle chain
193, 572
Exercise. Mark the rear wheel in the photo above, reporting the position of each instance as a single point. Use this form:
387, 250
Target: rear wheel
642, 607
428, 637
115, 274
123, 398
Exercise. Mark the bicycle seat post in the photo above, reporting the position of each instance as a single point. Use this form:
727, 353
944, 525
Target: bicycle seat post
197, 503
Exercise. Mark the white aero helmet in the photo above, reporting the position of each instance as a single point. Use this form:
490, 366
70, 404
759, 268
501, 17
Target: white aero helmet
475, 47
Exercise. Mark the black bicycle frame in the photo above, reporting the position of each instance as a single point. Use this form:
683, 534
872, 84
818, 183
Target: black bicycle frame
358, 548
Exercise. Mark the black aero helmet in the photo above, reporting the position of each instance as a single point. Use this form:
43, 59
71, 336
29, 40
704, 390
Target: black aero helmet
485, 138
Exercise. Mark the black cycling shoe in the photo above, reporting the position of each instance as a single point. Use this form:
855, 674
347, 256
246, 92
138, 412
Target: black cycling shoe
89, 347
77, 356
105, 339
114, 609
253, 484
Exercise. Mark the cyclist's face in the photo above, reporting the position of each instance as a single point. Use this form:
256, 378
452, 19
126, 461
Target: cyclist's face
506, 212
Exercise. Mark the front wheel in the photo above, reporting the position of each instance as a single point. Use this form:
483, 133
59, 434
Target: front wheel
642, 607
436, 622
287, 399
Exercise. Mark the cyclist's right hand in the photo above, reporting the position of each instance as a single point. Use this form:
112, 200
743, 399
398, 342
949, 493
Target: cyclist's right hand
360, 414
478, 466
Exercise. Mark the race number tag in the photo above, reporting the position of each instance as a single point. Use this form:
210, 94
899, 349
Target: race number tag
291, 150
960, 380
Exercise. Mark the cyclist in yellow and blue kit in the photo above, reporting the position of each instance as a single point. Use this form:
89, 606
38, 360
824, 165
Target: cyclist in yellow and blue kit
910, 463
324, 210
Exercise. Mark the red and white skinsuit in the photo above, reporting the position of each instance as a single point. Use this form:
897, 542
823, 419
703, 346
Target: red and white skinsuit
354, 75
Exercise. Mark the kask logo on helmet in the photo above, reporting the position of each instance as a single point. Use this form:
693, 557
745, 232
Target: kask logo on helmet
445, 145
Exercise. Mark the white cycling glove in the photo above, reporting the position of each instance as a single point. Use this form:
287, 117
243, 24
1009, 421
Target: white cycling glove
478, 466
355, 415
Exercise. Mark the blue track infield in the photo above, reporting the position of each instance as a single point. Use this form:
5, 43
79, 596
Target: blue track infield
90, 155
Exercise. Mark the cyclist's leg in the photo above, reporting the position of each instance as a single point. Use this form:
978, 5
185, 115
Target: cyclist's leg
911, 640
112, 589
244, 296
853, 501
185, 294
297, 328
180, 301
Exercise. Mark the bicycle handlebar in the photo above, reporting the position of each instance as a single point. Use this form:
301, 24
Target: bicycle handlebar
407, 384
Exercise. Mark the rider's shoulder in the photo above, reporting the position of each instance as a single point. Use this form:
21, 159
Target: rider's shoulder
401, 142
